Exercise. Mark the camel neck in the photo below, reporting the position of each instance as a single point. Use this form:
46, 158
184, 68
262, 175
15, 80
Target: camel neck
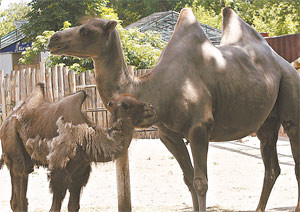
112, 75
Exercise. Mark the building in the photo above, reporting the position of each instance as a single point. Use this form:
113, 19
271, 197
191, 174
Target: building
164, 23
11, 47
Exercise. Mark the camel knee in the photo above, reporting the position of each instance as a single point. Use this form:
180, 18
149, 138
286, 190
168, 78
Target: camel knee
201, 186
189, 182
273, 174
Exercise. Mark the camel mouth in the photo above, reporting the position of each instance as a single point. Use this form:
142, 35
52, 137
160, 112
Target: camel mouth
56, 49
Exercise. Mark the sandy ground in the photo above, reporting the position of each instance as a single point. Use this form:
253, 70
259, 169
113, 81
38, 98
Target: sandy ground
235, 173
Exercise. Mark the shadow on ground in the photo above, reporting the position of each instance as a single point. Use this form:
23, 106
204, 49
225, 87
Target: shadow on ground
217, 209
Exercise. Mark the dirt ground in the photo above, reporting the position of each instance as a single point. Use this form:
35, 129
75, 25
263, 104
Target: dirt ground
235, 172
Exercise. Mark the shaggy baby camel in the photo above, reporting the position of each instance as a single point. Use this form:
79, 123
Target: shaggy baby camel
38, 128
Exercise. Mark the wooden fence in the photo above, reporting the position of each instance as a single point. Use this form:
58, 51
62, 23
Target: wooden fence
60, 82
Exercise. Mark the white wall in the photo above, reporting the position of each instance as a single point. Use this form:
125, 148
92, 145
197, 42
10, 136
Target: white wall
6, 63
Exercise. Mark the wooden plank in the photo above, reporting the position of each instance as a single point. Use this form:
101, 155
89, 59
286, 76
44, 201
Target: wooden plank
28, 81
66, 81
93, 93
72, 82
89, 92
123, 182
97, 109
33, 78
81, 82
61, 90
23, 91
49, 92
13, 88
3, 100
79, 87
99, 116
42, 77
55, 83
37, 76
1, 79
9, 106
17, 89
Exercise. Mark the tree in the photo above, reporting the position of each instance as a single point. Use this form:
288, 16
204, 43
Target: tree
277, 17
130, 11
50, 14
15, 12
140, 49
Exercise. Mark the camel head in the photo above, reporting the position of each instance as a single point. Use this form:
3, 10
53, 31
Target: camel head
128, 108
88, 40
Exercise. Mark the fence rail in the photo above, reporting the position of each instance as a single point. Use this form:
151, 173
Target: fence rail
60, 82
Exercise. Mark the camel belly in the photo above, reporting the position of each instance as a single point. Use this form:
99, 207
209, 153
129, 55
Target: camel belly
241, 118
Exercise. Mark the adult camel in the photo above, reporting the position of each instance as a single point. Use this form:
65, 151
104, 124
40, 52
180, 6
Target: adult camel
201, 92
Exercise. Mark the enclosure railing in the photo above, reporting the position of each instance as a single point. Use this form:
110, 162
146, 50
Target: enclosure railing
60, 82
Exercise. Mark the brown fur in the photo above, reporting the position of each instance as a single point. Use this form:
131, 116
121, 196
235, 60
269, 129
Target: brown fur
98, 144
1, 162
30, 133
201, 92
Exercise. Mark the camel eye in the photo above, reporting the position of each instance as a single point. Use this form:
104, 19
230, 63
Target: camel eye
84, 32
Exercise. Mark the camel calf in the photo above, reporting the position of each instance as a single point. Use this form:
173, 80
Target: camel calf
59, 136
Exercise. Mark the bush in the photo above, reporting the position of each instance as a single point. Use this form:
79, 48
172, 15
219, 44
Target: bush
141, 50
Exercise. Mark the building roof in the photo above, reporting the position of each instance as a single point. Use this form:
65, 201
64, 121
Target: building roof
164, 23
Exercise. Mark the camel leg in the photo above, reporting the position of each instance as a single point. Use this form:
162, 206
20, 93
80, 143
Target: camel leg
268, 135
175, 144
199, 139
58, 186
289, 110
79, 179
293, 132
19, 183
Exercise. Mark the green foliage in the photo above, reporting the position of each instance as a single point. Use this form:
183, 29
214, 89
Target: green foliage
48, 15
277, 17
141, 50
207, 16
130, 11
15, 12
40, 44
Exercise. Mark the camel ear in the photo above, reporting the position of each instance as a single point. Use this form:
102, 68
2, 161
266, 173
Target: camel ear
111, 25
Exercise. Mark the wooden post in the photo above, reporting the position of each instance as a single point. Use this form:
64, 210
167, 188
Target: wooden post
123, 183
42, 73
28, 81
61, 82
49, 92
8, 94
3, 103
55, 83
66, 81
17, 89
72, 81
33, 78
23, 85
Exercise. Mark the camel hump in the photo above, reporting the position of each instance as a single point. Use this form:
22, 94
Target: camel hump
36, 97
186, 16
235, 30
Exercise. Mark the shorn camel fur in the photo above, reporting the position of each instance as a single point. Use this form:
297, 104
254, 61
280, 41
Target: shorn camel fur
201, 92
49, 134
